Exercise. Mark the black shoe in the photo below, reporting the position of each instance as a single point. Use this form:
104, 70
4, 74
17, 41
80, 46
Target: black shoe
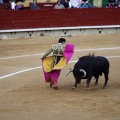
51, 84
56, 88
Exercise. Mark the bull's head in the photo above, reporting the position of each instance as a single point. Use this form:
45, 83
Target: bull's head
78, 74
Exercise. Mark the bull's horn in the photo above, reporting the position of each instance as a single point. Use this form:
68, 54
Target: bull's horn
81, 70
69, 72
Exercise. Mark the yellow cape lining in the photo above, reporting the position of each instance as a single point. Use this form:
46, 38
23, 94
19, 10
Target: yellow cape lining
47, 64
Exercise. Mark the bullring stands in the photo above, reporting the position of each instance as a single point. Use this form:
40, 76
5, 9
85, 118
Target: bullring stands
45, 5
42, 3
27, 3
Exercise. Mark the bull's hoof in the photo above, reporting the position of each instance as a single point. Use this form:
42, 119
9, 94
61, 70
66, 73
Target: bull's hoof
87, 88
104, 87
73, 87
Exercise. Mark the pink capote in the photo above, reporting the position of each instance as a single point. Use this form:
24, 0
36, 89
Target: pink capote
55, 73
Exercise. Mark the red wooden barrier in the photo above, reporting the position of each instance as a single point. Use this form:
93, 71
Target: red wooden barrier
49, 18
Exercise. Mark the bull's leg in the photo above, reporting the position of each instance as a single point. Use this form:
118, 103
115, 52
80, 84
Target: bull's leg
88, 82
106, 78
96, 82
74, 86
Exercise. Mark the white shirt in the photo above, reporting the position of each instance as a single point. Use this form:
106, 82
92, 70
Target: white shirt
59, 6
74, 3
13, 5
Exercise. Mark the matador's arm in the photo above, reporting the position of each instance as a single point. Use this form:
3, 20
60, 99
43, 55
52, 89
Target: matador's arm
47, 53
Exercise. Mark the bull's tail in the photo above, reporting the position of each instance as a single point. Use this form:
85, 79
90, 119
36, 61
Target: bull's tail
69, 72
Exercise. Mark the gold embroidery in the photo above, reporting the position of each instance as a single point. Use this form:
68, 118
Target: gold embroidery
58, 49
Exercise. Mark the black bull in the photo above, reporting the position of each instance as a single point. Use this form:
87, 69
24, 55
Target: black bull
89, 66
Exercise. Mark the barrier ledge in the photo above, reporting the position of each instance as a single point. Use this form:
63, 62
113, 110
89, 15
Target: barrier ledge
60, 28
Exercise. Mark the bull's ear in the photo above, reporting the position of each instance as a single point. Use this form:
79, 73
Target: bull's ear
93, 54
89, 54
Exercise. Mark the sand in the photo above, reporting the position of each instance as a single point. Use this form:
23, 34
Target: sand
26, 96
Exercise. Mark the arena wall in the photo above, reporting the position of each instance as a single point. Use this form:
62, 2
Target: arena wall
66, 22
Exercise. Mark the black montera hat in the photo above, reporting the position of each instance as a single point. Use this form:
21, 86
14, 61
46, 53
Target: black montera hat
61, 40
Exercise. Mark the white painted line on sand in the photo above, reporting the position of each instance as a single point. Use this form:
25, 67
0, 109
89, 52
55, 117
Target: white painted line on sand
19, 72
98, 49
41, 67
20, 56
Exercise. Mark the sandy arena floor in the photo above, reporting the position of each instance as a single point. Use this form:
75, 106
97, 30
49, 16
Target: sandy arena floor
25, 96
